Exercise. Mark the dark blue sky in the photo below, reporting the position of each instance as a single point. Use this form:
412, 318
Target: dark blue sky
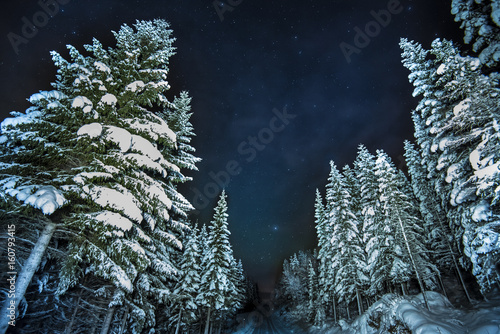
264, 60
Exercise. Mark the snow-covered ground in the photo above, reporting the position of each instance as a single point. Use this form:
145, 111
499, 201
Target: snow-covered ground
397, 314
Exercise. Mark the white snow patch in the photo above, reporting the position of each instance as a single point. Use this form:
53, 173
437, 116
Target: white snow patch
114, 219
44, 95
123, 202
442, 318
145, 147
144, 161
441, 69
119, 136
154, 129
463, 106
46, 198
108, 99
488, 172
138, 84
80, 102
102, 67
453, 172
31, 116
92, 130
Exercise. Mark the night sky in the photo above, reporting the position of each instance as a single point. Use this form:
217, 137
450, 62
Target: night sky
274, 96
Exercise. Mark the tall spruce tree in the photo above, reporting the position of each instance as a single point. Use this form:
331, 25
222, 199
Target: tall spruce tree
215, 286
323, 232
348, 259
480, 20
457, 129
408, 253
93, 158
446, 250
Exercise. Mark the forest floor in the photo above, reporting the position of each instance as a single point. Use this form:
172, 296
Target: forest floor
397, 314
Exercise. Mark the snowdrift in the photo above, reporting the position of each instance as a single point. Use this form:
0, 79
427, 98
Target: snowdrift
397, 314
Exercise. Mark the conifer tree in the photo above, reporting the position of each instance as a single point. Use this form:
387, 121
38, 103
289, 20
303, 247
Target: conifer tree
480, 20
215, 285
457, 129
440, 239
348, 260
188, 284
408, 253
102, 174
369, 222
323, 231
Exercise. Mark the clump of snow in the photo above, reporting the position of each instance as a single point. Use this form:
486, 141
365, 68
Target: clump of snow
145, 147
108, 99
102, 67
113, 219
154, 129
412, 313
121, 201
462, 107
441, 69
80, 102
144, 161
92, 130
46, 198
119, 136
488, 172
453, 172
138, 84
44, 95
32, 115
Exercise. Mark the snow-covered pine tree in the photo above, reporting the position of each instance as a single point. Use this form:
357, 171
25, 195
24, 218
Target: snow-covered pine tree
480, 20
98, 149
408, 253
215, 286
188, 284
445, 250
349, 255
434, 109
458, 133
323, 233
472, 134
312, 292
369, 221
238, 292
362, 278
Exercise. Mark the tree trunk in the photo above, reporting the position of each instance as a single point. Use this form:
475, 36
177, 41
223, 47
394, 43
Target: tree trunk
442, 285
26, 274
124, 321
108, 320
360, 303
403, 289
207, 324
420, 283
455, 262
347, 308
334, 310
73, 316
177, 328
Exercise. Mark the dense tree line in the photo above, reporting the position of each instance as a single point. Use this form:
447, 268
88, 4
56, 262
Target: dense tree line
88, 179
378, 229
